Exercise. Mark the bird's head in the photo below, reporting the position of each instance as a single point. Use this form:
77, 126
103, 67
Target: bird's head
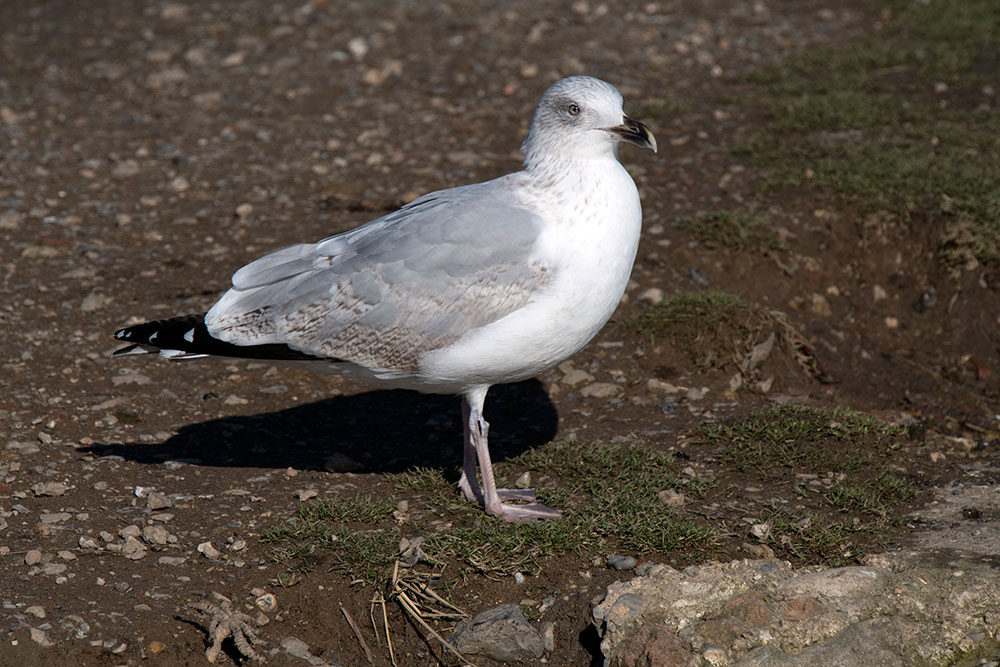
581, 117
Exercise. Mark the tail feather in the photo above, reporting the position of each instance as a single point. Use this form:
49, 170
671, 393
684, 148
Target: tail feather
187, 337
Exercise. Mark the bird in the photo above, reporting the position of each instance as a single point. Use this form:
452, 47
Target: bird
456, 291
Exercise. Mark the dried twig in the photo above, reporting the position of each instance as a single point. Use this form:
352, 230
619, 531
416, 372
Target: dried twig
357, 633
401, 590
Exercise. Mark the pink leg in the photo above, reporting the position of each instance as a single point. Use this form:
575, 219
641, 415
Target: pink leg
476, 442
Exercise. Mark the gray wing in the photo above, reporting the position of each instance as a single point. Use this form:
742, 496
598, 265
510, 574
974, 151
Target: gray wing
404, 284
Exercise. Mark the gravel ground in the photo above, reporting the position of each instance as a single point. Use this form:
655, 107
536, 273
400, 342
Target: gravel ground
147, 150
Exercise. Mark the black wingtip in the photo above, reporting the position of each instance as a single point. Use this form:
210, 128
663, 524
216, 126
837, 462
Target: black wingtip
188, 333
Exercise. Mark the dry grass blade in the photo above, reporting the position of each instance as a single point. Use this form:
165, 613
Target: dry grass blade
357, 633
385, 625
401, 587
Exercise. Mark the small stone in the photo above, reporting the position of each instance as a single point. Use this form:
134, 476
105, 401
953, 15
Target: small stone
54, 568
33, 557
575, 376
238, 545
653, 295
879, 293
267, 602
501, 633
157, 501
54, 517
36, 611
155, 534
156, 647
233, 399
761, 530
523, 480
306, 494
40, 637
819, 305
601, 390
173, 561
548, 633
134, 549
66, 555
518, 578
671, 498
209, 551
125, 169
130, 530
621, 562
244, 210
48, 488
88, 543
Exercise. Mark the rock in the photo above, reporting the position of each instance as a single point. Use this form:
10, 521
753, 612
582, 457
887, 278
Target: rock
88, 543
501, 633
576, 376
653, 646
48, 488
297, 648
130, 530
523, 480
897, 610
671, 498
621, 562
54, 517
209, 551
53, 569
601, 390
33, 557
267, 602
39, 636
155, 534
36, 611
157, 501
819, 305
173, 561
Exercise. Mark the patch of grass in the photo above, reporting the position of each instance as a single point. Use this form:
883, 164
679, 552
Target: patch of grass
799, 437
318, 534
896, 123
734, 231
609, 494
699, 310
876, 498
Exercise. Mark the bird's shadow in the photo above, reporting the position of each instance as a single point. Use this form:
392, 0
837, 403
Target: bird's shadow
383, 431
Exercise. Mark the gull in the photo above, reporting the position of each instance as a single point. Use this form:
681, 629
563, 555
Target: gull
456, 291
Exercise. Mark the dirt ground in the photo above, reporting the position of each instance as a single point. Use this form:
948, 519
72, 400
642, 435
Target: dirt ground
148, 150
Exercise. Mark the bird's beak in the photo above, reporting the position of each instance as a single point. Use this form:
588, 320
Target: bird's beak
634, 132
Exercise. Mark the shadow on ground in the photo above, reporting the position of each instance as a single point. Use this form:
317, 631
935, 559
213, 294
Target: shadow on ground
382, 431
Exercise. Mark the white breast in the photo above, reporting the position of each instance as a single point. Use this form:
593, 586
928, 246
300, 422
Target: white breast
589, 246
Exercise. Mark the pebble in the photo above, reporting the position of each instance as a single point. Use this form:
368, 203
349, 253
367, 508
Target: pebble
621, 562
54, 517
306, 494
54, 568
155, 534
209, 551
671, 498
576, 376
523, 480
131, 530
157, 501
267, 602
601, 390
171, 560
39, 636
36, 611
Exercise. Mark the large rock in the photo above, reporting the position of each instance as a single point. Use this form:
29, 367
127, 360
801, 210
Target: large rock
502, 633
895, 610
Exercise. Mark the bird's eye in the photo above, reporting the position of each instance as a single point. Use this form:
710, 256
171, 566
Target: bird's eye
573, 109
